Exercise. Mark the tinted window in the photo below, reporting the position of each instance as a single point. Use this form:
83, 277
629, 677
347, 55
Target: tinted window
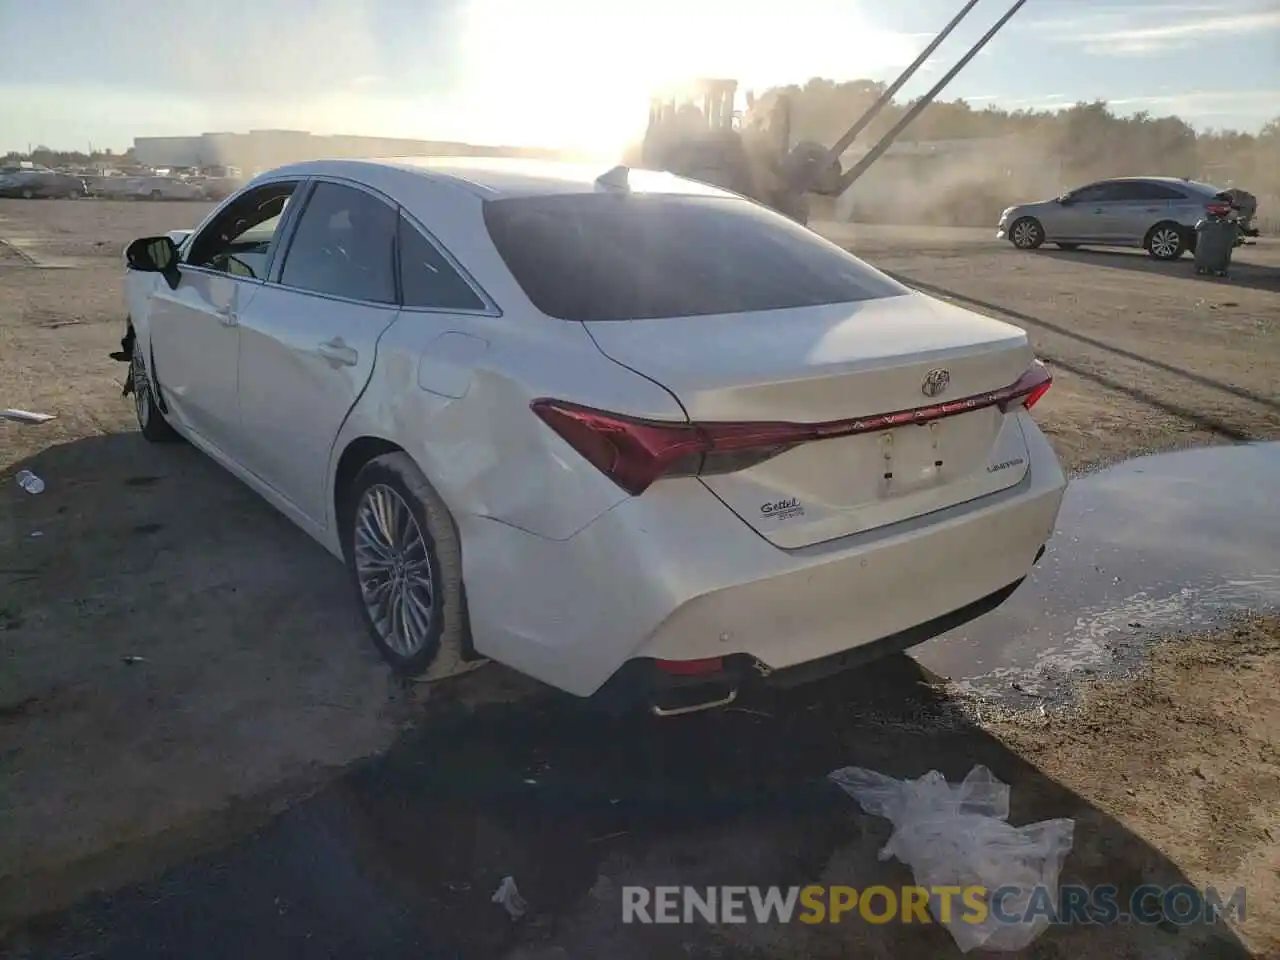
427, 279
1100, 193
636, 256
1139, 190
344, 246
1158, 191
1196, 187
1125, 190
239, 241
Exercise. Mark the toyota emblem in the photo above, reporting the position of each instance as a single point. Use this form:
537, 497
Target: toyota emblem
935, 383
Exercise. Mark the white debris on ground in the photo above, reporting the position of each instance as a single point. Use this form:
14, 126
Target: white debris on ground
25, 416
29, 482
510, 898
957, 836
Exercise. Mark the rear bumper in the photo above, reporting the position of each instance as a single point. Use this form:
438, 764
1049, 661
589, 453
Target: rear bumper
672, 575
642, 683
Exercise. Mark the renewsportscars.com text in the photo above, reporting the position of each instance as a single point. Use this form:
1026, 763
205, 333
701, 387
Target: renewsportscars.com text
1181, 905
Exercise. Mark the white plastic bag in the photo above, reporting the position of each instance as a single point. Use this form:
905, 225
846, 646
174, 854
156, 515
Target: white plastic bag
509, 897
956, 836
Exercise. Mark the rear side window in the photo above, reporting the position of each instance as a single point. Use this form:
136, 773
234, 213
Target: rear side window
1157, 191
427, 279
344, 246
646, 256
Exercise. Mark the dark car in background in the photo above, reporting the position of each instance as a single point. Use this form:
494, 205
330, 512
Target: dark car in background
41, 184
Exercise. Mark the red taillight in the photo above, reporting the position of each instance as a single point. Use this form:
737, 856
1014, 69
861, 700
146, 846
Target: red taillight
634, 452
631, 452
690, 668
1031, 386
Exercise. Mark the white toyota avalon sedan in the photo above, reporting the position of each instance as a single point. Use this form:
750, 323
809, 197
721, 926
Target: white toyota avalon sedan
626, 433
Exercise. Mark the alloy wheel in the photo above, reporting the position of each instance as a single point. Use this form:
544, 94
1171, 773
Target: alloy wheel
393, 567
1025, 234
141, 392
1165, 242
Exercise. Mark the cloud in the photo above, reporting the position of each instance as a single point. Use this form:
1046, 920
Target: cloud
1221, 109
1161, 38
1208, 103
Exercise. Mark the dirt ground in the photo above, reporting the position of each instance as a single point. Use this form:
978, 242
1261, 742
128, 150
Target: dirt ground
255, 684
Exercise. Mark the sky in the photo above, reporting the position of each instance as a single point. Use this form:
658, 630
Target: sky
577, 73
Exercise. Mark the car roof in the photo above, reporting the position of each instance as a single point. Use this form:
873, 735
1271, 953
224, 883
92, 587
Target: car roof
493, 178
1171, 181
447, 196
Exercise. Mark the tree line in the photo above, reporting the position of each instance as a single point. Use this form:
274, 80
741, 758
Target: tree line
1070, 146
1038, 151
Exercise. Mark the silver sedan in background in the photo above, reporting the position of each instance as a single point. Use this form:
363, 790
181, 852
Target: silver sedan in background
146, 188
1158, 214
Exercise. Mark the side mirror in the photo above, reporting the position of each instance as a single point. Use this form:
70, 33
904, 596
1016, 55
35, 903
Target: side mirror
154, 255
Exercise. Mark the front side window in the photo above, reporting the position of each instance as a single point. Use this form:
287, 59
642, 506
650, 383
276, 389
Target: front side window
1097, 193
344, 246
240, 240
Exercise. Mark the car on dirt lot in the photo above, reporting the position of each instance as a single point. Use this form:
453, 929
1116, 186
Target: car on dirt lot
623, 432
216, 188
1158, 214
41, 185
147, 188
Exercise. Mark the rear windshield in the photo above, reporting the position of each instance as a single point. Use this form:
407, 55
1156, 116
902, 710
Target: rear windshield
609, 256
1198, 187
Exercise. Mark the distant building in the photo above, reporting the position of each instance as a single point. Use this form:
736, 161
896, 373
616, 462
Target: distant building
263, 149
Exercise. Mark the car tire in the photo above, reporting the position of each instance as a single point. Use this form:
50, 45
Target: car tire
399, 539
155, 195
1166, 241
28, 194
1026, 233
151, 422
1068, 246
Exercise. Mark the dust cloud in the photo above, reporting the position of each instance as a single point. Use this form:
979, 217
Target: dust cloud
952, 183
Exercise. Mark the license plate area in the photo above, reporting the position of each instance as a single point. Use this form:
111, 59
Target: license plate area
916, 457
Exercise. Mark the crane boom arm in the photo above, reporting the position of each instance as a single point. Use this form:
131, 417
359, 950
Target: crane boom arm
858, 169
841, 145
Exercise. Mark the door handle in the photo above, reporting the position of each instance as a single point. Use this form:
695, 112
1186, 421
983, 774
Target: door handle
1098, 210
338, 353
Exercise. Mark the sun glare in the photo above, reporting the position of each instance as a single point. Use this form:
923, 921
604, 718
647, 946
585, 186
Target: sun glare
561, 73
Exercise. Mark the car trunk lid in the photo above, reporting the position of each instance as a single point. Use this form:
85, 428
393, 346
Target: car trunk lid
839, 363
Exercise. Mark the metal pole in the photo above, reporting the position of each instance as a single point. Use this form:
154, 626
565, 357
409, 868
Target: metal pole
886, 141
886, 98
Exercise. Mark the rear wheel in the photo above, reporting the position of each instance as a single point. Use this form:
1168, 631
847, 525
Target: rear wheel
28, 194
1166, 241
154, 195
405, 561
1026, 233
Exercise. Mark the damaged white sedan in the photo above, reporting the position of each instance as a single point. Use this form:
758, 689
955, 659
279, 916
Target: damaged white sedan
629, 434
